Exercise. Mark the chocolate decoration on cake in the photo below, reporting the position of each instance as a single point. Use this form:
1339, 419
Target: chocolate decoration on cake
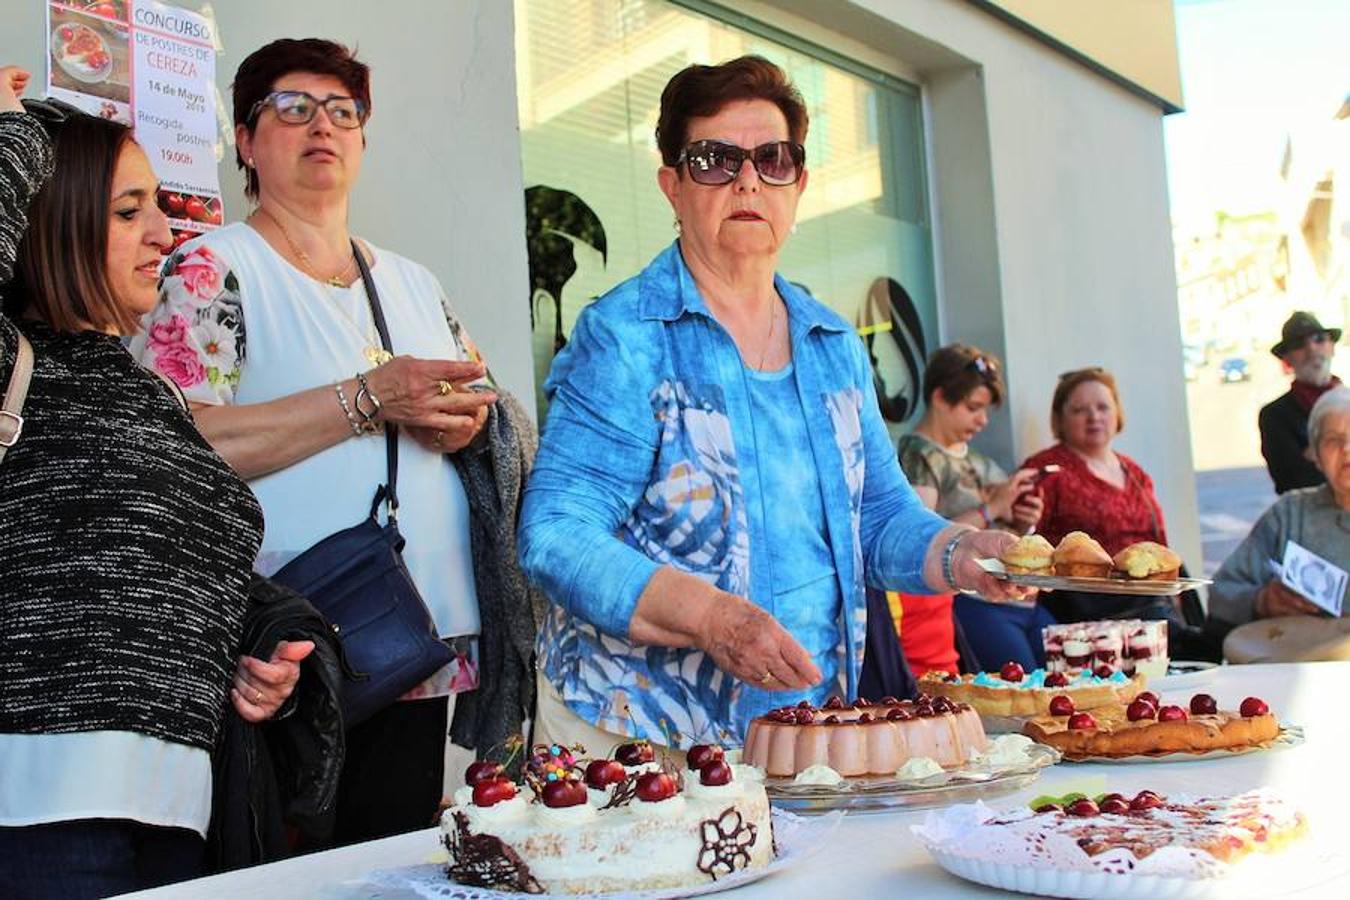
625, 792
482, 860
726, 843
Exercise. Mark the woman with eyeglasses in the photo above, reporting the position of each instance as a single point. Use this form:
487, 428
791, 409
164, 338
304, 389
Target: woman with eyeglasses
1317, 518
126, 542
715, 484
268, 328
960, 384
1097, 489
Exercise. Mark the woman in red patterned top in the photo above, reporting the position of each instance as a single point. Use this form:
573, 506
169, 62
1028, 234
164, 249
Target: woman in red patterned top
1098, 490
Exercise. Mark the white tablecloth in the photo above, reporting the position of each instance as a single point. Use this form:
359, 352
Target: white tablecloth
874, 855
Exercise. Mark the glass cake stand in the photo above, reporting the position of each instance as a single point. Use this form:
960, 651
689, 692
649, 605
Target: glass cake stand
975, 780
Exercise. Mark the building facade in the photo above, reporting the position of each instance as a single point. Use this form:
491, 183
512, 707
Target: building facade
991, 172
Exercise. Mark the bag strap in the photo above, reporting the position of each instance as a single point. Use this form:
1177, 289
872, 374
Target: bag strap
11, 420
390, 490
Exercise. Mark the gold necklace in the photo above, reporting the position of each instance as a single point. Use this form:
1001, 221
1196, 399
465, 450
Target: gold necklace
373, 352
337, 280
768, 342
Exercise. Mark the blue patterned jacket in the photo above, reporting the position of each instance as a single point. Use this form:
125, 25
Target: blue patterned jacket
638, 467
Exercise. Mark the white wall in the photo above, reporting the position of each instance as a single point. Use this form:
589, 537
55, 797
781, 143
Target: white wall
1076, 195
1054, 243
441, 180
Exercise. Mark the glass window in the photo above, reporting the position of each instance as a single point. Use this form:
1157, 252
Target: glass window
590, 76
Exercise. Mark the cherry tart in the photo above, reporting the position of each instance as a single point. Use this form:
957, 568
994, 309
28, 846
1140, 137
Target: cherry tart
1147, 727
1015, 692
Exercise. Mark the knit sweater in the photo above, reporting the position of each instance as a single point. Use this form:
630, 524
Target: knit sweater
25, 163
125, 541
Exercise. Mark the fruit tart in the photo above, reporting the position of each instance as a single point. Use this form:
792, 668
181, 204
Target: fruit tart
1145, 726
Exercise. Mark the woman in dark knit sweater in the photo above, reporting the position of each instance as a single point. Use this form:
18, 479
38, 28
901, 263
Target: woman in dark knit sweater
125, 541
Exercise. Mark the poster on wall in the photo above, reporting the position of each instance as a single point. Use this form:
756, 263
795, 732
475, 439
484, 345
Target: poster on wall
150, 65
89, 57
174, 109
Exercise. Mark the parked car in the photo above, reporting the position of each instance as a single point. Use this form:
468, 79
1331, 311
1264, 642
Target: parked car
1234, 369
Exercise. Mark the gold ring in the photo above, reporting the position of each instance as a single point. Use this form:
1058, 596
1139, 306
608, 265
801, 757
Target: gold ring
437, 438
444, 387
768, 676
257, 696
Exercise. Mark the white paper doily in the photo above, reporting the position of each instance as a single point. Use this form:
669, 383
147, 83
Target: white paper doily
797, 837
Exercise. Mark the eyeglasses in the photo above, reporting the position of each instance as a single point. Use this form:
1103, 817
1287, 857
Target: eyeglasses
1328, 442
779, 163
300, 108
1090, 370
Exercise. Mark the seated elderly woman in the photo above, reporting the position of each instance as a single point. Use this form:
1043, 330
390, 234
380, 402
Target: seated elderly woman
715, 483
1317, 518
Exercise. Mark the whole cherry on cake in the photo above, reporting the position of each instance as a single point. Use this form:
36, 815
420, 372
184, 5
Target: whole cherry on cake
1253, 707
715, 773
563, 793
1056, 679
1204, 705
1061, 705
1012, 671
1172, 714
491, 791
1082, 722
653, 787
700, 755
635, 753
483, 770
1150, 697
1140, 709
601, 773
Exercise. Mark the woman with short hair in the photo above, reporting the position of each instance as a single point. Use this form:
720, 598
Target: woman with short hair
1098, 490
715, 484
960, 385
268, 328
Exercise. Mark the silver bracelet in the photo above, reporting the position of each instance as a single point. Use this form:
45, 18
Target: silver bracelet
356, 426
366, 393
948, 552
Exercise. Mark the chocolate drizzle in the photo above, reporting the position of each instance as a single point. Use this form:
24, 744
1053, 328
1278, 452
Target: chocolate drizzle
726, 843
624, 793
483, 860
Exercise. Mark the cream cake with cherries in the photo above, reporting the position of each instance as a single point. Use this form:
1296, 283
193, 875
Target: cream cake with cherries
1113, 645
621, 824
864, 738
1015, 692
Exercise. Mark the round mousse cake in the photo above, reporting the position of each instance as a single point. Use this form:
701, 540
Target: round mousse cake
628, 823
864, 738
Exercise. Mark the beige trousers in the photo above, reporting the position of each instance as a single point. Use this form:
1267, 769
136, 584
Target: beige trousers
554, 723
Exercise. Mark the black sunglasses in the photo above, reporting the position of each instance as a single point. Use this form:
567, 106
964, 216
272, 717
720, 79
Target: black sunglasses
778, 163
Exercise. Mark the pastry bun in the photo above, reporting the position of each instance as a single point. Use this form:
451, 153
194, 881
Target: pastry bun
1148, 560
1029, 555
1079, 556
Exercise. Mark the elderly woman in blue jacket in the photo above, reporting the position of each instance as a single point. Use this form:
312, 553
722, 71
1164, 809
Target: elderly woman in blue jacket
714, 483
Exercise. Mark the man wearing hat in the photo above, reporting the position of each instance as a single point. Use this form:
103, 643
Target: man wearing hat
1307, 348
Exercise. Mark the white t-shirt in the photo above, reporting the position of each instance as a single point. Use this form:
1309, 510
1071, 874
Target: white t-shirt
237, 323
